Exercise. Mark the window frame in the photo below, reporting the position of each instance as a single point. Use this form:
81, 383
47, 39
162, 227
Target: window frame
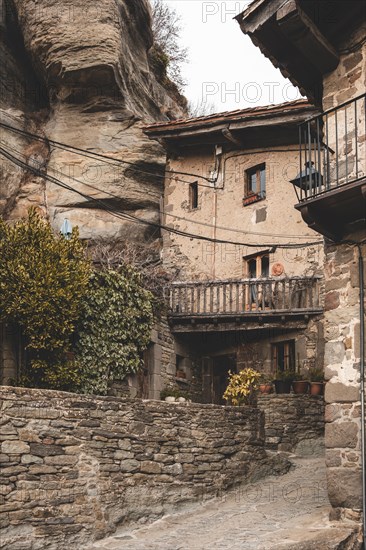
193, 195
251, 196
289, 356
258, 257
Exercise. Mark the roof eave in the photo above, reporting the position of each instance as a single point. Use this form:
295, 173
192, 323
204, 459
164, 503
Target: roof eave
173, 131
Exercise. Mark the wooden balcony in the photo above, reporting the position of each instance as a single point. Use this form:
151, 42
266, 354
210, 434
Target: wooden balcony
246, 303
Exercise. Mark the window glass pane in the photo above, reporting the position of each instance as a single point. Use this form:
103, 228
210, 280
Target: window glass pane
252, 183
265, 266
263, 182
256, 180
193, 195
283, 355
252, 268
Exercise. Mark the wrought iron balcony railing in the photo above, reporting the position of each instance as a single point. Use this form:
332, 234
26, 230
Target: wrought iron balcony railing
245, 297
332, 149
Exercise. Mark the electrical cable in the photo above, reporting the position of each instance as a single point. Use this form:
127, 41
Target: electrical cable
130, 217
189, 220
93, 155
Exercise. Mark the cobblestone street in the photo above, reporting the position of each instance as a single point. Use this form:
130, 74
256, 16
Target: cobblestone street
287, 512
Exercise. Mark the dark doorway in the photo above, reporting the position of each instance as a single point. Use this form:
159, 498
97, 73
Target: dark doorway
215, 377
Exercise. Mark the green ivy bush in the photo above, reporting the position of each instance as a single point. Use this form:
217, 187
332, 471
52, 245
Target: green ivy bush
43, 278
114, 328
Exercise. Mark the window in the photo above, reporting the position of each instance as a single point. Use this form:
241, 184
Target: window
256, 265
255, 184
193, 195
283, 356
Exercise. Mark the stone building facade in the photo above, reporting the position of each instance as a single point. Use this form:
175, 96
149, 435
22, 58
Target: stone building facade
248, 288
321, 47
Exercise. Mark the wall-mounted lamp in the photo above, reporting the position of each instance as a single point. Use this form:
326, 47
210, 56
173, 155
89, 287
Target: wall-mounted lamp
66, 229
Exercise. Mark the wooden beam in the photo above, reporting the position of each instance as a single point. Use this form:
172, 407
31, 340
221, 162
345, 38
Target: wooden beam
230, 137
257, 14
305, 35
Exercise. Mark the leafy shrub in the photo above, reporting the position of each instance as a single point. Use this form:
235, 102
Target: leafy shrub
242, 387
43, 278
114, 328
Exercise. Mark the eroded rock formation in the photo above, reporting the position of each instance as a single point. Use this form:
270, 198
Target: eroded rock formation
81, 74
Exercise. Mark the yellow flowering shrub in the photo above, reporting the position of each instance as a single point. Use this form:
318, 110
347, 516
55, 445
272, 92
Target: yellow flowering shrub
242, 387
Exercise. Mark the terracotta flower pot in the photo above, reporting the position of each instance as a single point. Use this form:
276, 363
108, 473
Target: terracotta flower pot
266, 388
316, 388
300, 386
180, 374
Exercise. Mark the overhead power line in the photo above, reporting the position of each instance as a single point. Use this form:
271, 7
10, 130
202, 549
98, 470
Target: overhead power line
111, 160
130, 217
188, 220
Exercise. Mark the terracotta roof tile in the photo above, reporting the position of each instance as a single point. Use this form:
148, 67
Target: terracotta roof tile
232, 115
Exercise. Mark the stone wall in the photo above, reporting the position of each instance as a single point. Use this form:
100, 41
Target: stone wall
293, 423
74, 467
342, 372
163, 357
342, 308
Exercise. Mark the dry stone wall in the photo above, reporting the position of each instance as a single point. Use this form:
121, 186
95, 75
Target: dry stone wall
74, 467
293, 423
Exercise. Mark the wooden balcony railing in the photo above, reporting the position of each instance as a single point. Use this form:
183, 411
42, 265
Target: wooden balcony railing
245, 297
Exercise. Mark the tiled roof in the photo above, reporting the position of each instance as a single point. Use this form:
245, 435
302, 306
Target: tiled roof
232, 116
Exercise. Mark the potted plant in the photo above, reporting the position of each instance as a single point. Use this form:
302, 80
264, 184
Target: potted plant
300, 384
173, 394
283, 380
265, 383
180, 374
242, 387
316, 381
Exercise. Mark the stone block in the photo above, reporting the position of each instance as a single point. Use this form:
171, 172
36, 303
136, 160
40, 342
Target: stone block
31, 459
333, 412
60, 460
345, 487
337, 392
334, 353
150, 467
130, 465
172, 469
14, 447
331, 300
333, 458
45, 450
341, 435
121, 455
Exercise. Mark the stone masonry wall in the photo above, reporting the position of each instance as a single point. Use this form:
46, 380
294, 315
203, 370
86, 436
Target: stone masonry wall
342, 307
342, 372
293, 422
75, 467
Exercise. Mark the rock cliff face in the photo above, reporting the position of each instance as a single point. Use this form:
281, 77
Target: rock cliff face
81, 73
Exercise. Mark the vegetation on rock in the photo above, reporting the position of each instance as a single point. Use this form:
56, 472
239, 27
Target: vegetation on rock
167, 50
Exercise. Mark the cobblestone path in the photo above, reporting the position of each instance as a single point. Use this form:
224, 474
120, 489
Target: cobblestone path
286, 512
